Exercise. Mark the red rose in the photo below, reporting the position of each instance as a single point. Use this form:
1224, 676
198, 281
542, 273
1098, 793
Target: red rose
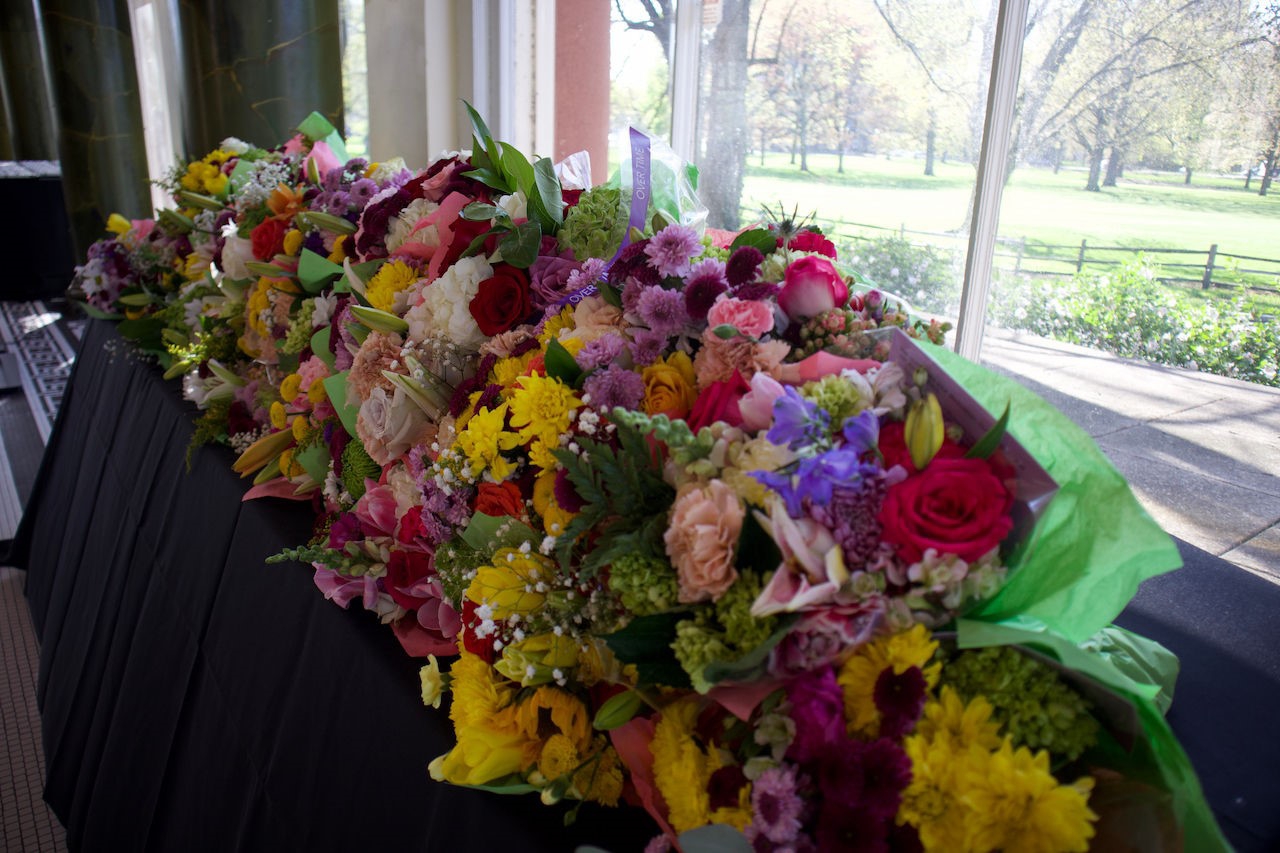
268, 239
812, 241
893, 447
957, 506
404, 569
719, 402
502, 302
499, 500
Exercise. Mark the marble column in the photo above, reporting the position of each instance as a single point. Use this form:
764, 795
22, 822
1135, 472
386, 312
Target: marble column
28, 102
256, 68
99, 114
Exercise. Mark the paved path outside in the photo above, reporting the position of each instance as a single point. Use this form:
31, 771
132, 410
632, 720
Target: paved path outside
1201, 452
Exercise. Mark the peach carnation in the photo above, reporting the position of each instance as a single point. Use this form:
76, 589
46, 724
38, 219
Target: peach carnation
719, 358
700, 539
379, 352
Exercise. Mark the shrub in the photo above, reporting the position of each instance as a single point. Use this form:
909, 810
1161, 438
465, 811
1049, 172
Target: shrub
1129, 313
926, 276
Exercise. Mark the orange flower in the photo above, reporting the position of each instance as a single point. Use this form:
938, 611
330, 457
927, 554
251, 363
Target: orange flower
285, 202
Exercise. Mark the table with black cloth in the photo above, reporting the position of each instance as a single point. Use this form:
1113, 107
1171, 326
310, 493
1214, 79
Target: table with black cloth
194, 698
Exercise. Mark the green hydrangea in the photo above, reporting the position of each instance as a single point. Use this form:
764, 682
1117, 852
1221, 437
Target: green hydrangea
1032, 703
644, 584
356, 466
698, 642
596, 225
298, 337
840, 398
723, 632
733, 612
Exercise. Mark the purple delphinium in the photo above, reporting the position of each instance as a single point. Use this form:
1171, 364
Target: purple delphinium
797, 422
614, 386
776, 806
815, 482
671, 250
662, 310
861, 432
600, 352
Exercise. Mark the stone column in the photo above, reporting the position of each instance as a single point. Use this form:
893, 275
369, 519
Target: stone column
582, 82
256, 68
99, 114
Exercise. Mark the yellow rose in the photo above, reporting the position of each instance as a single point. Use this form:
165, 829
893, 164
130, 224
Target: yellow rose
670, 386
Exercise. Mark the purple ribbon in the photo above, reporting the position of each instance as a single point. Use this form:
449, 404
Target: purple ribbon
640, 187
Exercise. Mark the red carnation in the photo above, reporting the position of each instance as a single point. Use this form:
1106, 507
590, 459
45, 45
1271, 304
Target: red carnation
268, 239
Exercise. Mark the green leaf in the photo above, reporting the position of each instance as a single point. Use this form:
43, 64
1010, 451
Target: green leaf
517, 169
989, 442
646, 642
136, 300
520, 247
481, 131
98, 313
548, 200
315, 127
758, 238
265, 269
488, 533
479, 158
315, 461
609, 294
336, 387
320, 347
617, 710
316, 271
480, 212
145, 332
489, 178
561, 365
474, 247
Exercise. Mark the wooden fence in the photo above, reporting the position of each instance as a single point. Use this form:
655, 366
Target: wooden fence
1209, 267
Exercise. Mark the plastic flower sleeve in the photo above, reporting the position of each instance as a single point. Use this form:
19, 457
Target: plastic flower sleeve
1093, 545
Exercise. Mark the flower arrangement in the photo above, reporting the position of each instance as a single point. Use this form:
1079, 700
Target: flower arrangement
704, 522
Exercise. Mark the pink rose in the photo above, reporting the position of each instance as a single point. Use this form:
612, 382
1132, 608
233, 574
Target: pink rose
812, 285
390, 425
749, 317
756, 405
704, 528
719, 402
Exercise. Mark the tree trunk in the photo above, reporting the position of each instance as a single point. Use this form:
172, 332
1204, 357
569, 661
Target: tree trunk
1248, 175
840, 161
762, 146
1095, 169
929, 139
793, 149
1113, 167
1187, 181
727, 139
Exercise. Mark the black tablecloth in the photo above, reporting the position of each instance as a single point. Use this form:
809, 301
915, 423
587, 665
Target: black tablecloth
195, 698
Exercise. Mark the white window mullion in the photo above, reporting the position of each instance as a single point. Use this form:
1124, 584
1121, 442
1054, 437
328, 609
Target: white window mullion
685, 79
1006, 62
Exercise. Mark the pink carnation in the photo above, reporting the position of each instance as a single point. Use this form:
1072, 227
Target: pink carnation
379, 352
704, 529
749, 317
718, 358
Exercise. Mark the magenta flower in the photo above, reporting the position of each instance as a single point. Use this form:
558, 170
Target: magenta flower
817, 707
812, 285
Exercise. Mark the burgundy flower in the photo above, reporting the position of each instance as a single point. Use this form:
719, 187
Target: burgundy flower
899, 699
817, 707
743, 266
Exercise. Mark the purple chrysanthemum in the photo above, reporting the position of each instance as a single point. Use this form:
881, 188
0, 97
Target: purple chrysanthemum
743, 266
817, 707
588, 273
662, 310
632, 264
776, 806
363, 190
600, 352
900, 700
614, 386
646, 346
671, 250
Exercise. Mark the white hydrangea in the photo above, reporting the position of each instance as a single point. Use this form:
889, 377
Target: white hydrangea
445, 309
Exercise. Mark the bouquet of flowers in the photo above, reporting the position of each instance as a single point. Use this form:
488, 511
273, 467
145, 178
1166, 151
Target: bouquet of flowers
709, 523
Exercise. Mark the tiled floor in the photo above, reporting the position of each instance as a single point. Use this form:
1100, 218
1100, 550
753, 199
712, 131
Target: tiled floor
26, 824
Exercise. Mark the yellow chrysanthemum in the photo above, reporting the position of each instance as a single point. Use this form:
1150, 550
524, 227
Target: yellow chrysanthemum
194, 266
1015, 803
507, 370
552, 709
316, 393
278, 416
901, 651
554, 517
600, 780
683, 770
290, 386
300, 428
483, 441
490, 742
339, 250
950, 718
257, 304
555, 325
292, 242
510, 584
931, 802
540, 410
390, 279
558, 757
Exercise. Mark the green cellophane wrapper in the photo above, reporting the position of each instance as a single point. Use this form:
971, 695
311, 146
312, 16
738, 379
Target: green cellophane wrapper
1077, 570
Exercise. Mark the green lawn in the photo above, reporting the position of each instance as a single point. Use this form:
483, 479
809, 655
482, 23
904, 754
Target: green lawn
1145, 210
